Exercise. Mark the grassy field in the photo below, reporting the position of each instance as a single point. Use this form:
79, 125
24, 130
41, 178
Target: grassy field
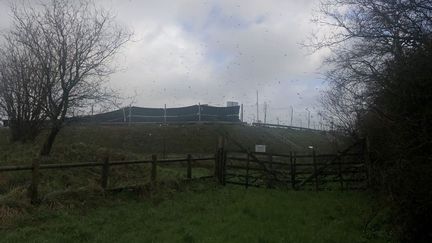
75, 209
90, 143
200, 212
80, 143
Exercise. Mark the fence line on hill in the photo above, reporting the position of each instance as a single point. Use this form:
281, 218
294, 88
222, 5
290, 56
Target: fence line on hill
349, 169
105, 164
194, 113
270, 125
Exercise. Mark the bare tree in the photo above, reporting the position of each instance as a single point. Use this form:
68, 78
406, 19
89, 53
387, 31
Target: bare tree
381, 80
363, 37
74, 43
21, 92
340, 110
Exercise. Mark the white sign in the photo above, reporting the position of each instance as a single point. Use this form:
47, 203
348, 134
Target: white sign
260, 148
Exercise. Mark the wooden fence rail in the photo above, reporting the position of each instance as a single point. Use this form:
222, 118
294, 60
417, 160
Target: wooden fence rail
95, 164
240, 168
106, 164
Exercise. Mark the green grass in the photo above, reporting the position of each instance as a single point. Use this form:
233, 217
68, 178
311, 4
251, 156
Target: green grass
75, 209
91, 143
202, 212
80, 143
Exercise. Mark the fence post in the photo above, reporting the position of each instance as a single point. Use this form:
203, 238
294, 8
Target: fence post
34, 196
219, 161
315, 169
293, 170
189, 166
367, 161
247, 170
216, 165
153, 168
340, 172
223, 167
270, 172
105, 171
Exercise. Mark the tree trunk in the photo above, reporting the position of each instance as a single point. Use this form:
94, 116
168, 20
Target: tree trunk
46, 149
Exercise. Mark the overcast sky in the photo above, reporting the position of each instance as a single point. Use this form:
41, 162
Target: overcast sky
210, 52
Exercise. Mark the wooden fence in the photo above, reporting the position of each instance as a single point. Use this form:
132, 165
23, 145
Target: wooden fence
105, 165
346, 170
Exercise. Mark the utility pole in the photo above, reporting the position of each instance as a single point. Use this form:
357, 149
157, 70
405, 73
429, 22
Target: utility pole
199, 111
308, 118
241, 114
257, 118
164, 133
321, 121
265, 112
130, 114
165, 114
292, 111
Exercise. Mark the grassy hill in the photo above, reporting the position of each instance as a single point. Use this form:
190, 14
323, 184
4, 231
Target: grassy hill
91, 143
78, 143
74, 208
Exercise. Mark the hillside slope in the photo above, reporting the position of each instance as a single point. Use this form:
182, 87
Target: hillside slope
77, 143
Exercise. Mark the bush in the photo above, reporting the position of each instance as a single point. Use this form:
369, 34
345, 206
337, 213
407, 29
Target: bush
400, 134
